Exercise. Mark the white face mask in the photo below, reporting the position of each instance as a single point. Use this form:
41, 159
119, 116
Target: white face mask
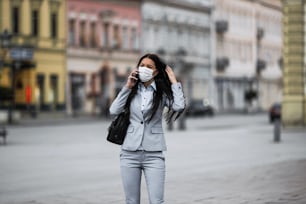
145, 74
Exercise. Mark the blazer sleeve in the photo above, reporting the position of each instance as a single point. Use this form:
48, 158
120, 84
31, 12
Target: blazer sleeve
118, 104
178, 97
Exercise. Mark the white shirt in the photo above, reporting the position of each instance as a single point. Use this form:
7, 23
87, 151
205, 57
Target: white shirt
147, 95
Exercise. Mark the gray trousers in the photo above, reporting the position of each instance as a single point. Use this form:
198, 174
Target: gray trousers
132, 164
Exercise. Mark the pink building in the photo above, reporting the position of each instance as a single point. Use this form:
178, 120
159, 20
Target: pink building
103, 45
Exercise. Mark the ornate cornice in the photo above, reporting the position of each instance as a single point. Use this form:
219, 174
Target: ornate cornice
274, 4
175, 16
183, 4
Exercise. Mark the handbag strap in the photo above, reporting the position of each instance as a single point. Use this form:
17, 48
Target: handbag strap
127, 104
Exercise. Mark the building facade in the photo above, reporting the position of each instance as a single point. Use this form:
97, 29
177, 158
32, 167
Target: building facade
103, 45
39, 81
269, 45
180, 32
294, 63
248, 51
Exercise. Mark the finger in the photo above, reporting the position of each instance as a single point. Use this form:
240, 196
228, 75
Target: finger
134, 73
133, 77
168, 69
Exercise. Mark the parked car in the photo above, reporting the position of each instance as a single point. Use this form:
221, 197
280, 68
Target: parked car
275, 112
199, 107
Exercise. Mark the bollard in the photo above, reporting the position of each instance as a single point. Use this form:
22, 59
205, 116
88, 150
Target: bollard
170, 125
3, 134
277, 130
182, 122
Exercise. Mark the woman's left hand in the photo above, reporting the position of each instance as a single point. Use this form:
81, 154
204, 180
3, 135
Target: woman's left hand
171, 75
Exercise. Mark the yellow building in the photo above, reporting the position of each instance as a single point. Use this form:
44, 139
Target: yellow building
41, 24
294, 71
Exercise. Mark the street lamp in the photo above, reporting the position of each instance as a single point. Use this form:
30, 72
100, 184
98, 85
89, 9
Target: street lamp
260, 64
5, 42
18, 54
5, 39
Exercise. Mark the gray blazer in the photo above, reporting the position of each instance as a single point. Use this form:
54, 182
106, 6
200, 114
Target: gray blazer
149, 134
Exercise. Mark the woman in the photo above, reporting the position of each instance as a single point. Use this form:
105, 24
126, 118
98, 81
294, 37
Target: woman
148, 89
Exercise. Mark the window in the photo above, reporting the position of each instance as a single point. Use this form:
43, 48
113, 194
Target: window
35, 22
193, 42
15, 20
116, 38
93, 84
93, 35
134, 39
71, 32
156, 37
40, 89
206, 44
106, 35
54, 25
82, 34
54, 90
179, 37
125, 38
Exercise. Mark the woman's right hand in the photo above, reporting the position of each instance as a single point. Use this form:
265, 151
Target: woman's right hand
132, 79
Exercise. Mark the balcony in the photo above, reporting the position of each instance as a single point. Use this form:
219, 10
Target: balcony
222, 63
221, 26
107, 15
260, 33
261, 65
161, 52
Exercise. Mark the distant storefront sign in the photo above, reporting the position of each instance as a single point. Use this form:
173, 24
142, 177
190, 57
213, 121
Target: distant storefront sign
77, 79
21, 53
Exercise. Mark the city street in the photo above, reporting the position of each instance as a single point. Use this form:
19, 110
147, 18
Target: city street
227, 159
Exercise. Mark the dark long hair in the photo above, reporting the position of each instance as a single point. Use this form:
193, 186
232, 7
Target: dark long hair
163, 88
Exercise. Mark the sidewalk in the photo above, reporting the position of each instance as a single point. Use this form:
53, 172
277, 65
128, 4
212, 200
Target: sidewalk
219, 121
220, 160
226, 121
277, 183
56, 118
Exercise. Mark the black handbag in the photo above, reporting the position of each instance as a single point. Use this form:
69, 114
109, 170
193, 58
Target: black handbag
118, 128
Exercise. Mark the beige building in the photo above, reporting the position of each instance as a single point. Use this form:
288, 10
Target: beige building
248, 50
294, 80
41, 25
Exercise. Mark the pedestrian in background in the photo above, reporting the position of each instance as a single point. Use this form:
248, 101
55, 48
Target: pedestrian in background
150, 87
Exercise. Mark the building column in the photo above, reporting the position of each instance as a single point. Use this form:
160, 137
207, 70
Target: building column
62, 30
44, 27
26, 21
294, 103
6, 11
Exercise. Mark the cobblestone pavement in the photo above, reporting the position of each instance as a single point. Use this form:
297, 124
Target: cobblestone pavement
221, 160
